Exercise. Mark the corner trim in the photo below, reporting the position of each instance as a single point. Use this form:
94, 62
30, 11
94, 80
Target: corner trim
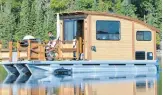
133, 41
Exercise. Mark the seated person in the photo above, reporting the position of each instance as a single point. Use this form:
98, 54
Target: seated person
74, 46
50, 54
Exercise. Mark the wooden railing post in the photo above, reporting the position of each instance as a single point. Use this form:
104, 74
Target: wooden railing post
41, 53
29, 50
10, 51
59, 49
18, 50
80, 45
78, 49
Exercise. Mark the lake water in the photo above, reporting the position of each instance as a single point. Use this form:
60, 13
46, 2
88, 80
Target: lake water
80, 85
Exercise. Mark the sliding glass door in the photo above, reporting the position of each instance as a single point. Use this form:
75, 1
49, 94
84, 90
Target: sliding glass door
70, 29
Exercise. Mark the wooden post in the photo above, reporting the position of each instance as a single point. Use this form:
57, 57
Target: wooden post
18, 50
41, 53
10, 51
80, 45
59, 49
29, 50
77, 47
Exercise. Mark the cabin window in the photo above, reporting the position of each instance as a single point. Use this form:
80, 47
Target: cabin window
143, 35
69, 29
107, 30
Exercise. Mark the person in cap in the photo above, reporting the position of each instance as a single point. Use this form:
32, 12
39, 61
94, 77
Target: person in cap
50, 54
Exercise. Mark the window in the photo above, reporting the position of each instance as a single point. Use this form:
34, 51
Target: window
143, 36
69, 29
107, 30
140, 55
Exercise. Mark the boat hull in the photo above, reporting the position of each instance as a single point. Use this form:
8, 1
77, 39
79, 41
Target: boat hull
114, 66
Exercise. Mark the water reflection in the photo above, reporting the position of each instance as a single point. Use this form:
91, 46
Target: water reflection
80, 85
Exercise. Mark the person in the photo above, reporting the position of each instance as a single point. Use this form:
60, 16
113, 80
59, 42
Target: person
74, 46
74, 42
52, 39
50, 54
51, 36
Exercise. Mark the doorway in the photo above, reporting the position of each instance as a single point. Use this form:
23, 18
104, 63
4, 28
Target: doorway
74, 28
80, 35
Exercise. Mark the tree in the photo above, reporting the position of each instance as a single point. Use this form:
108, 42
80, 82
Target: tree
7, 23
24, 25
153, 15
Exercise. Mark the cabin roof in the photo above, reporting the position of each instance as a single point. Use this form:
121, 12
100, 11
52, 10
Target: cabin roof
109, 14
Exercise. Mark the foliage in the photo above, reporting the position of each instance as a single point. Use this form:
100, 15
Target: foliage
150, 11
36, 17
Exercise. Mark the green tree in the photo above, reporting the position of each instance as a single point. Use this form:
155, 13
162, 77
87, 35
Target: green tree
24, 25
153, 15
7, 23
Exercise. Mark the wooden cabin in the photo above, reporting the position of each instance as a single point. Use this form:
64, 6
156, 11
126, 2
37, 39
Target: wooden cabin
107, 36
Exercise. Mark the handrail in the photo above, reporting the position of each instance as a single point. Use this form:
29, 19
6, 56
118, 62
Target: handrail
8, 50
39, 49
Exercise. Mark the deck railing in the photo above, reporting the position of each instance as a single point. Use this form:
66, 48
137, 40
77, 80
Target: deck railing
6, 53
36, 51
67, 51
33, 50
30, 50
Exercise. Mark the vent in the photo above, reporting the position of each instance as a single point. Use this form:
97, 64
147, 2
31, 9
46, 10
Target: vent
140, 55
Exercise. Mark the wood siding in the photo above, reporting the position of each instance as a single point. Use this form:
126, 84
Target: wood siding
86, 29
112, 50
147, 46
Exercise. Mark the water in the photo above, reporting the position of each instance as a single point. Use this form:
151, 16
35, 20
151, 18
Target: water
79, 85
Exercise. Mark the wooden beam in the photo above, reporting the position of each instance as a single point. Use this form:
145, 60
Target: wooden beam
10, 51
29, 50
18, 50
154, 45
133, 41
68, 49
59, 49
77, 52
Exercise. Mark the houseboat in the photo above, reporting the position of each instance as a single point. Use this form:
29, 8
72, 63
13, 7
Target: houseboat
104, 42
